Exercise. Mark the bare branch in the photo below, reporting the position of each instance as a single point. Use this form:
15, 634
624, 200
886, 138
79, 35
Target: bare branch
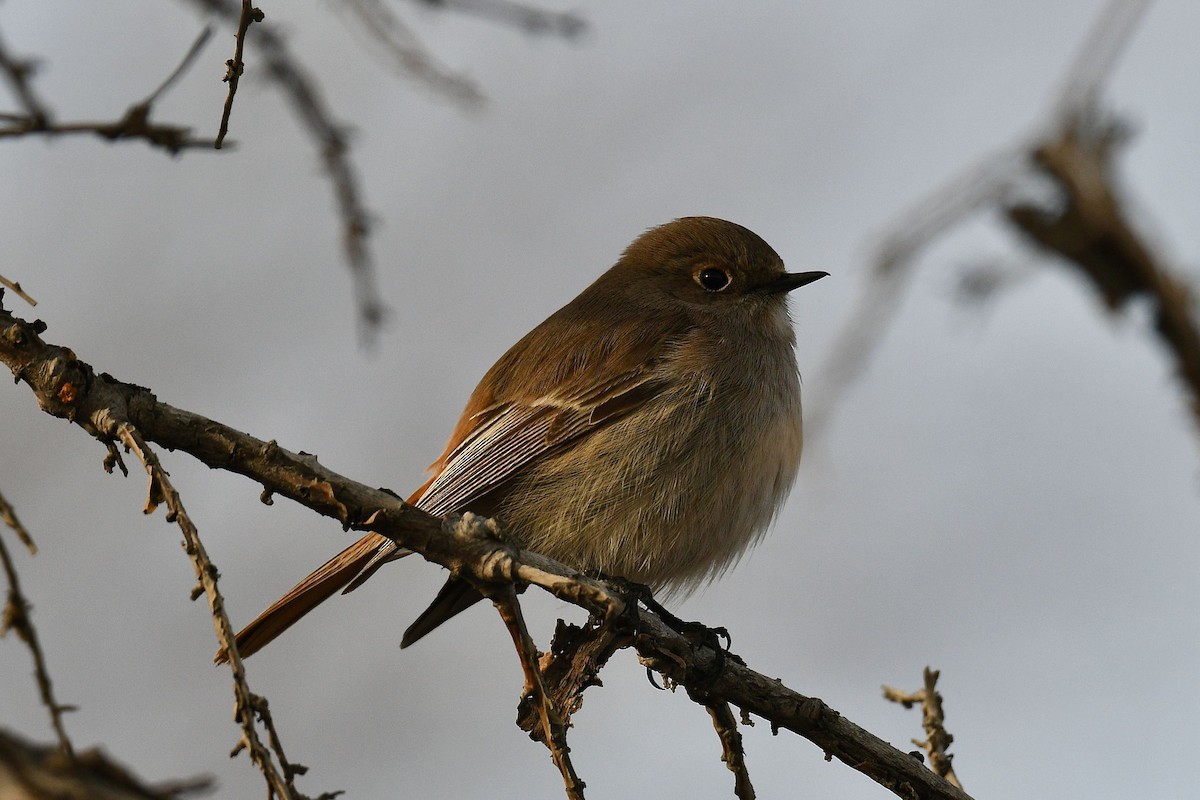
135, 124
8, 516
530, 19
236, 66
986, 185
30, 771
188, 59
892, 267
331, 141
69, 388
726, 726
506, 602
937, 739
1096, 59
18, 72
407, 53
1092, 232
247, 705
17, 290
15, 617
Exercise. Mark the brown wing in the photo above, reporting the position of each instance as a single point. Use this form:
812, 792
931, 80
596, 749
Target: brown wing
511, 435
564, 379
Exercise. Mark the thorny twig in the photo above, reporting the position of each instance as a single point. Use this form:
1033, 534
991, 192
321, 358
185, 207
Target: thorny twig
16, 618
937, 740
247, 705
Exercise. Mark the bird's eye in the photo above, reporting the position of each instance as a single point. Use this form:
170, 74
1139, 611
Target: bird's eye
712, 279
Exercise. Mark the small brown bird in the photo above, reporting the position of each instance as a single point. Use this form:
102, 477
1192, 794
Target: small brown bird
649, 429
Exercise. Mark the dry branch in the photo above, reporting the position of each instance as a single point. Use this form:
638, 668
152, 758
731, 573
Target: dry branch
37, 119
535, 692
68, 388
15, 617
530, 19
407, 54
17, 290
247, 705
1088, 227
933, 718
726, 726
31, 772
1090, 230
235, 66
331, 141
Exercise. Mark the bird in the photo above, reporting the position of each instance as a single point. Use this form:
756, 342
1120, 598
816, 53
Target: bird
648, 430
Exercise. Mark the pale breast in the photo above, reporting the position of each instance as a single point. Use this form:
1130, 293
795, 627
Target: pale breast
671, 494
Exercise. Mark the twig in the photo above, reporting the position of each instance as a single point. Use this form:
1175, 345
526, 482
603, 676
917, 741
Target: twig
937, 740
188, 59
407, 53
506, 602
69, 388
235, 66
18, 73
8, 516
573, 665
529, 19
1096, 59
16, 618
29, 771
17, 290
247, 705
330, 139
984, 185
135, 124
892, 267
732, 753
1091, 231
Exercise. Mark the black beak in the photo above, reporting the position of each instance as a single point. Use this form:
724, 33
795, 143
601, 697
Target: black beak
791, 280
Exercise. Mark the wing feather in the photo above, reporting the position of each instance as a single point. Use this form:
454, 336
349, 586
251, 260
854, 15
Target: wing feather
514, 434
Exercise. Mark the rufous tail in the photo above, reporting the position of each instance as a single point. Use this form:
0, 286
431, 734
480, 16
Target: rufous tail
306, 595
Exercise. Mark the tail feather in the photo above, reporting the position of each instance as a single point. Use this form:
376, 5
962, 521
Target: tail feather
455, 596
309, 593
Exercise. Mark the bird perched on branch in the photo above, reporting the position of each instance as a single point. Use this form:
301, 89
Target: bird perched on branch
649, 429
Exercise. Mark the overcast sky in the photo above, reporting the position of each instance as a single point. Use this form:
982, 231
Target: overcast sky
1011, 494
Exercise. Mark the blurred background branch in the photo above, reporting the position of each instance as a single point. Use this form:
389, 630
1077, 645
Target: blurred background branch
1085, 223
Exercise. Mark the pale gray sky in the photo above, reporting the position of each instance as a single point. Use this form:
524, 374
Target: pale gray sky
1011, 496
